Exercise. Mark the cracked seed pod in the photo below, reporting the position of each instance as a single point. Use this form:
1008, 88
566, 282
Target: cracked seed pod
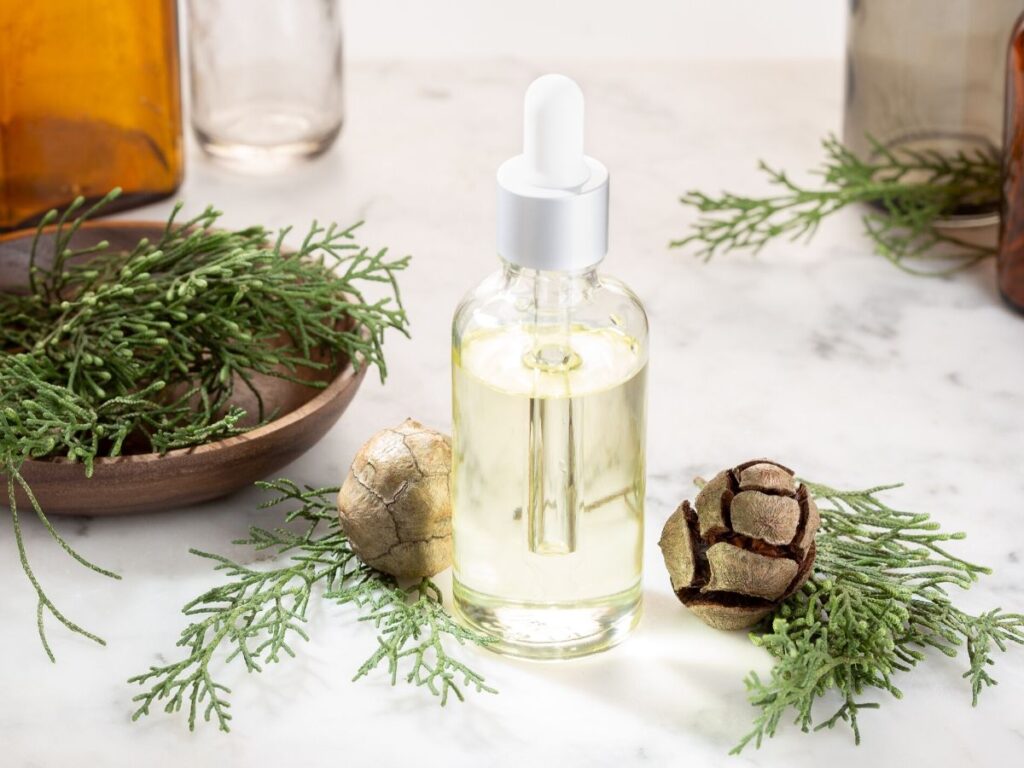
394, 504
747, 547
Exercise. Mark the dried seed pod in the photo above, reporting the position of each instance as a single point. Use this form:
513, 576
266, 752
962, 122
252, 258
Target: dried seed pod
394, 504
747, 546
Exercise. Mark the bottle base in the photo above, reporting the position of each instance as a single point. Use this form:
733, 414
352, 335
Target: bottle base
1016, 303
943, 143
259, 153
550, 630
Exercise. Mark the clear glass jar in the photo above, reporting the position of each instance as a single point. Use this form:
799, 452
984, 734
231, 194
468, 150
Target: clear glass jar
928, 75
549, 408
266, 79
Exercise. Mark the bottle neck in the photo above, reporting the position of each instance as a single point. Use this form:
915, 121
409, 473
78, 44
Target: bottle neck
550, 288
548, 302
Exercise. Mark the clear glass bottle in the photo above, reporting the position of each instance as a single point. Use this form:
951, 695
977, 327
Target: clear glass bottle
549, 403
927, 75
266, 79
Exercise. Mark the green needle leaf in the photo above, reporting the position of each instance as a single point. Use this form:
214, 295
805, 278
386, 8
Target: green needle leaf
256, 615
910, 190
877, 599
134, 351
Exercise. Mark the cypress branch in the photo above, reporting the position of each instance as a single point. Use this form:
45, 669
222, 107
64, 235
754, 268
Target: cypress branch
876, 602
910, 190
257, 615
112, 352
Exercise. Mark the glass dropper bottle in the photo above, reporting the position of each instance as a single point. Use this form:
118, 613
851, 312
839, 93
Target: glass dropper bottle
549, 402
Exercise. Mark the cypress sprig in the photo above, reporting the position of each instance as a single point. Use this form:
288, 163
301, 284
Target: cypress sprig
876, 602
412, 625
113, 352
909, 191
257, 615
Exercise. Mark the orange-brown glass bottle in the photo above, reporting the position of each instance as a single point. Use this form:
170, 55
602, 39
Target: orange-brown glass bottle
89, 100
1011, 230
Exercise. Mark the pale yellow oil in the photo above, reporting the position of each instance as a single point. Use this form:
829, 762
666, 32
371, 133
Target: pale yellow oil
548, 487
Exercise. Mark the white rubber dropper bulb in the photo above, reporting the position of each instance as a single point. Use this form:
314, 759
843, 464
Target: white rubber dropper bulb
552, 200
553, 133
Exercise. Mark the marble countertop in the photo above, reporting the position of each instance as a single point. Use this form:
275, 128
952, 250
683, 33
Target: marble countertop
824, 357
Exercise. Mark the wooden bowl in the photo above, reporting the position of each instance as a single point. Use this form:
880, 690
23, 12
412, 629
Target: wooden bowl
149, 482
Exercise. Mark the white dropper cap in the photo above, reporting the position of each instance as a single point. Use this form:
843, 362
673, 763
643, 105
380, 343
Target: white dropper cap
553, 199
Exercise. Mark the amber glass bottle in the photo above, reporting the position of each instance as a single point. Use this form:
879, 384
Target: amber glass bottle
89, 100
1011, 230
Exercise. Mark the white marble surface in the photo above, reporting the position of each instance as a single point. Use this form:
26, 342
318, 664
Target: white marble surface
823, 356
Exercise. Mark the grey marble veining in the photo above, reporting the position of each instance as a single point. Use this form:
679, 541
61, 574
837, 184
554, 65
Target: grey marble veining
821, 356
